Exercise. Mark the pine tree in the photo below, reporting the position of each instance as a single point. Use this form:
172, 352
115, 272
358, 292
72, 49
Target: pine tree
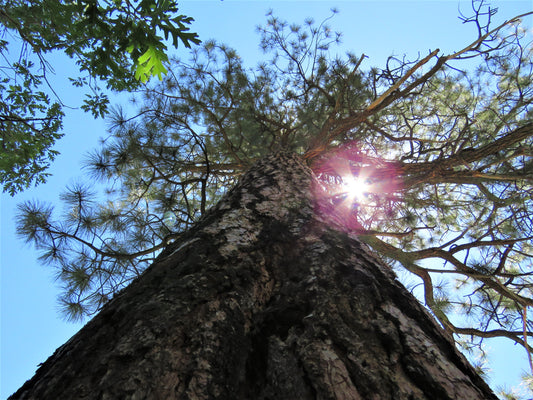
421, 160
261, 299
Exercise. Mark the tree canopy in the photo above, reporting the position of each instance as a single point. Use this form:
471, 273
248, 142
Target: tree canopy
113, 42
440, 151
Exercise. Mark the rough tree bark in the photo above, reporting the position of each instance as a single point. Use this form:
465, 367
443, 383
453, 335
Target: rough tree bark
262, 299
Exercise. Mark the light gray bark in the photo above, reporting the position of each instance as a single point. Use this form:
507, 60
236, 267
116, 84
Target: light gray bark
261, 300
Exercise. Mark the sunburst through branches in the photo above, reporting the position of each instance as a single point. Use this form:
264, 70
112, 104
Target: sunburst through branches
357, 190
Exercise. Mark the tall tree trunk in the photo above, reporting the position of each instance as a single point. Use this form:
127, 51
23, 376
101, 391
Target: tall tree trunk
261, 300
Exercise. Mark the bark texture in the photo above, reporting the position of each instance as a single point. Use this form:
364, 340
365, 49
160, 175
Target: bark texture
262, 299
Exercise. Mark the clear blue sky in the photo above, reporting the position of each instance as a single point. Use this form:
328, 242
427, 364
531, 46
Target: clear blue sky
31, 328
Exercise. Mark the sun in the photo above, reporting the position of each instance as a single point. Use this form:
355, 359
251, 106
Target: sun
357, 188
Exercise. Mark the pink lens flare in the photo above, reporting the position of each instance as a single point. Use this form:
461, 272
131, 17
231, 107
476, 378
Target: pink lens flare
356, 190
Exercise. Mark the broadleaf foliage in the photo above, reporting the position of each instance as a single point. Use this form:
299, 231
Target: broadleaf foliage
116, 42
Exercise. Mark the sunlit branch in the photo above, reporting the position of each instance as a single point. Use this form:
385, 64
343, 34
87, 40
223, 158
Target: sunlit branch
493, 284
487, 243
513, 335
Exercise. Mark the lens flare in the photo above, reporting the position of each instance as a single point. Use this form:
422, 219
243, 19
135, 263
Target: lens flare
357, 190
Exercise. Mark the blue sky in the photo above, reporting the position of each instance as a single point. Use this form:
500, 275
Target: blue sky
31, 327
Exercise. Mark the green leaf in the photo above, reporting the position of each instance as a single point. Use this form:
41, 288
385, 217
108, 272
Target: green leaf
151, 64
